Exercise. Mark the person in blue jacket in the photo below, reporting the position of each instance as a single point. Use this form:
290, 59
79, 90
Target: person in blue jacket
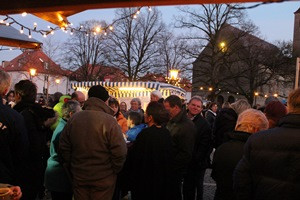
134, 122
56, 178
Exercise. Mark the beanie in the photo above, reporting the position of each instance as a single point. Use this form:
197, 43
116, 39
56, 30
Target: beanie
99, 92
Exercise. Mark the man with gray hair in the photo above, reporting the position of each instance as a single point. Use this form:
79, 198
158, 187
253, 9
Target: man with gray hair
13, 139
270, 167
156, 96
227, 155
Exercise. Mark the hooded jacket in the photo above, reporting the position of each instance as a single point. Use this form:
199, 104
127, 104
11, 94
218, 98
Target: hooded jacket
92, 145
270, 167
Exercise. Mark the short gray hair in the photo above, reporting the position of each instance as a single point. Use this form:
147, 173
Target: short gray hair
136, 100
240, 106
5, 81
251, 119
157, 93
70, 106
198, 98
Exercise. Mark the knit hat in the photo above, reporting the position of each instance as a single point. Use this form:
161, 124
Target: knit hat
275, 110
99, 92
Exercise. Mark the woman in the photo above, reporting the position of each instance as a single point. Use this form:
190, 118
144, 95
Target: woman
56, 179
123, 107
114, 104
211, 113
10, 99
150, 157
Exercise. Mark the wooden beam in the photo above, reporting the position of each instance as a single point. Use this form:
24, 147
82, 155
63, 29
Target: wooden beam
36, 6
18, 43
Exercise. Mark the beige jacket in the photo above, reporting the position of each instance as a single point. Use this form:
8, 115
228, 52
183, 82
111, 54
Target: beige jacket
92, 145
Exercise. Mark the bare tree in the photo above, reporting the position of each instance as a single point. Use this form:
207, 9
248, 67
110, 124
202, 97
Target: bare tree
133, 45
84, 52
52, 48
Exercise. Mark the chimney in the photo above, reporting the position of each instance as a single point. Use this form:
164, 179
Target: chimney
296, 41
4, 63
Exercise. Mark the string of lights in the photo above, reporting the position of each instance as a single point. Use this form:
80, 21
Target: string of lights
255, 5
8, 21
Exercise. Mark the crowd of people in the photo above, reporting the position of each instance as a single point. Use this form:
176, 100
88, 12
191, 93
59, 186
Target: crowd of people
96, 148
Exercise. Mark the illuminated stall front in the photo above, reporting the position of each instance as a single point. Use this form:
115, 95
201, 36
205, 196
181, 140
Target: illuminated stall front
125, 91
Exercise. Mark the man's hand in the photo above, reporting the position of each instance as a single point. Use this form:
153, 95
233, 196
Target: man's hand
16, 192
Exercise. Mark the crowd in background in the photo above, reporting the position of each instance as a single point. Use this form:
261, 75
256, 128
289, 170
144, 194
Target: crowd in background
94, 147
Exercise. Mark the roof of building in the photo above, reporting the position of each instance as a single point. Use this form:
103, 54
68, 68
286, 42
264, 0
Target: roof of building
298, 11
36, 59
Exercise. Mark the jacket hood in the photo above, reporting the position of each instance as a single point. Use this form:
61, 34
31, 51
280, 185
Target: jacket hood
290, 121
97, 104
62, 98
239, 135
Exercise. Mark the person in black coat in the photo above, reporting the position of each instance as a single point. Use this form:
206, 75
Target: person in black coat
193, 180
228, 155
150, 158
270, 167
211, 113
13, 139
226, 120
34, 116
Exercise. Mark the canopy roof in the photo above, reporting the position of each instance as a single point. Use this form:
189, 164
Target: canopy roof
56, 12
9, 36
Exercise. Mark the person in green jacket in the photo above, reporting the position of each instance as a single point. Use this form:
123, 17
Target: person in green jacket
56, 178
58, 109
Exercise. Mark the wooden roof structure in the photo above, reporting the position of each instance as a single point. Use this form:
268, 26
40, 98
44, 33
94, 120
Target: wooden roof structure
57, 12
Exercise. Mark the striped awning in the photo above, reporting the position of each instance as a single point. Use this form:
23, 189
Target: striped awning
114, 88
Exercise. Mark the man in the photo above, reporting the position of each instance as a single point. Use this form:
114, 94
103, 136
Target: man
13, 139
193, 180
183, 132
93, 148
228, 154
270, 167
156, 96
78, 96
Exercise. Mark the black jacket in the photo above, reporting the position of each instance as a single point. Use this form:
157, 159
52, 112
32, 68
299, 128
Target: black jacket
203, 144
225, 122
183, 133
225, 159
34, 116
270, 167
210, 117
13, 145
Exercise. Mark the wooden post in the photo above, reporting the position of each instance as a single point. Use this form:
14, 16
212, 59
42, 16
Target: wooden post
297, 73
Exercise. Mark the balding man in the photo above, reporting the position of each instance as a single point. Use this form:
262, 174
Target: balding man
78, 96
229, 153
270, 167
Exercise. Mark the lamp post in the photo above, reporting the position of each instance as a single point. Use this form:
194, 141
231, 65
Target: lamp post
32, 72
173, 77
222, 46
255, 96
57, 81
297, 73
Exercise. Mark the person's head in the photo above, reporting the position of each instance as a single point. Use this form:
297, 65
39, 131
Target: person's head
195, 105
25, 90
156, 114
41, 100
123, 106
56, 97
99, 92
240, 106
173, 105
134, 119
114, 104
270, 99
69, 108
213, 107
294, 102
251, 121
10, 97
155, 95
274, 111
135, 104
78, 96
226, 105
5, 82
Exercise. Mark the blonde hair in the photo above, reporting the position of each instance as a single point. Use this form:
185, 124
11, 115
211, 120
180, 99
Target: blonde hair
5, 81
251, 121
294, 101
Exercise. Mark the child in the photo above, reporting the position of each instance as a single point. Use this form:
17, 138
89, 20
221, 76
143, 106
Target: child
134, 124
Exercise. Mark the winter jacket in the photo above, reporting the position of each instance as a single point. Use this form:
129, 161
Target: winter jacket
122, 121
134, 131
270, 167
226, 157
56, 178
225, 122
210, 116
203, 144
58, 108
34, 116
183, 133
13, 145
92, 145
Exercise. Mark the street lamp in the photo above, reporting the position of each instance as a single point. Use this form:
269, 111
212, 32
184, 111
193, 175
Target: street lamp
57, 81
255, 96
32, 72
223, 47
275, 95
173, 77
